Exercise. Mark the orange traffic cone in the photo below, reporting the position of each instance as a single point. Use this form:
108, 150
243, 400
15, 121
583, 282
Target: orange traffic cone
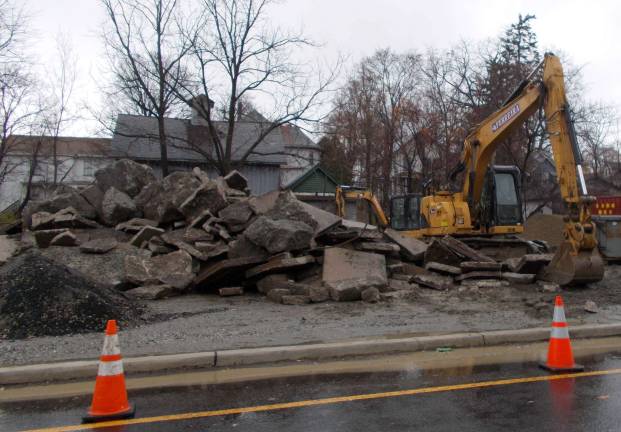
560, 356
110, 396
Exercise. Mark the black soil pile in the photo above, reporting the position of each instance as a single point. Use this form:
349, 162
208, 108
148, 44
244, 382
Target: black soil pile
39, 297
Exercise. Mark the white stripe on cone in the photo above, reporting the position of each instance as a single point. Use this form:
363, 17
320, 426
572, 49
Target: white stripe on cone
560, 333
111, 345
110, 368
559, 314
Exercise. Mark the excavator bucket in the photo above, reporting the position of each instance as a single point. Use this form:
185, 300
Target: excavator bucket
569, 269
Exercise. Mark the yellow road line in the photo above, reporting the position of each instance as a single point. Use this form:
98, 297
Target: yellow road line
326, 401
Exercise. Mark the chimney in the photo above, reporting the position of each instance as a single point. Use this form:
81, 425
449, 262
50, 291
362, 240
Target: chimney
201, 104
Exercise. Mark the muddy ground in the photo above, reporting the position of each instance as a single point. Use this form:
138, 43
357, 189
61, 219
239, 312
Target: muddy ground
206, 322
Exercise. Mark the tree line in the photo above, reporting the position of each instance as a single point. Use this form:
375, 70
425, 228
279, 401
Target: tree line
395, 124
400, 120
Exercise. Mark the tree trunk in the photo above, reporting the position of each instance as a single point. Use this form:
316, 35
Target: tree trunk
163, 145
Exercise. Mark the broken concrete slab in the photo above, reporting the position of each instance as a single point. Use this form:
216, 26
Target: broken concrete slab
398, 284
242, 247
318, 293
194, 235
160, 200
288, 207
230, 291
126, 176
411, 248
117, 207
280, 265
229, 269
236, 180
479, 275
106, 269
469, 266
449, 250
403, 277
176, 239
209, 196
94, 195
443, 268
66, 238
590, 306
152, 292
346, 290
279, 235
134, 225
437, 282
349, 265
65, 218
262, 204
518, 278
295, 300
145, 234
98, 246
158, 247
532, 263
370, 295
57, 202
173, 269
236, 214
485, 283
464, 250
379, 247
44, 237
277, 294
200, 219
272, 281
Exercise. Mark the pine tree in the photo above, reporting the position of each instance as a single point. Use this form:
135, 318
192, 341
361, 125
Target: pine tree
519, 43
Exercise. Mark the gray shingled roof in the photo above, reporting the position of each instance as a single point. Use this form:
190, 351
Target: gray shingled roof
136, 137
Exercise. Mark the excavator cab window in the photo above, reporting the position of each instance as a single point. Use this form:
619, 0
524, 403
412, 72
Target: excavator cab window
506, 207
405, 212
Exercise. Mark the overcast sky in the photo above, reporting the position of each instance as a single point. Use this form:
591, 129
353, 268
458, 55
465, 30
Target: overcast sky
588, 31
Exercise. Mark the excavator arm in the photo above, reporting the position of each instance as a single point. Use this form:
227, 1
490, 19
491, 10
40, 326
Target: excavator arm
577, 260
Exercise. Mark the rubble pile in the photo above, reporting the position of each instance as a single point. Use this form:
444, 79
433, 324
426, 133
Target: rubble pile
188, 232
448, 261
39, 297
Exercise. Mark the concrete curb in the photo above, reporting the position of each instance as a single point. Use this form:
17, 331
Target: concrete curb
75, 370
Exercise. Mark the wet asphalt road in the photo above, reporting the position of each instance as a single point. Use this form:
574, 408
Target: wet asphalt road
577, 404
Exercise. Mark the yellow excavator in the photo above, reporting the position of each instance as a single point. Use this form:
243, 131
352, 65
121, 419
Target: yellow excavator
489, 202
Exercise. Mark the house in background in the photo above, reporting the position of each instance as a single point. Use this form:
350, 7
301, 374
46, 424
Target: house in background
78, 158
285, 153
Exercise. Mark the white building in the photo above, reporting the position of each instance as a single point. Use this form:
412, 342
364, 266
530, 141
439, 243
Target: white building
77, 159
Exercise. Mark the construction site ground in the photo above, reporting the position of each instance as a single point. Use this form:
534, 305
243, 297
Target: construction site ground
199, 322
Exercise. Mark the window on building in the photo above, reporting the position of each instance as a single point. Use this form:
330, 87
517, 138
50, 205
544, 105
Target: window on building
89, 169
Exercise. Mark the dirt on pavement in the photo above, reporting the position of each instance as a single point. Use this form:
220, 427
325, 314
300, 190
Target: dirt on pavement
199, 322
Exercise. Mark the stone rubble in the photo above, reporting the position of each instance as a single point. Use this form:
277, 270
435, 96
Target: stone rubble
209, 235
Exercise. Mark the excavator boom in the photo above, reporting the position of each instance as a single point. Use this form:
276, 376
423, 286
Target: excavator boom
577, 259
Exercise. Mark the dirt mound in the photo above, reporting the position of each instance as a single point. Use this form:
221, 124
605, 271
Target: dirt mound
546, 227
39, 297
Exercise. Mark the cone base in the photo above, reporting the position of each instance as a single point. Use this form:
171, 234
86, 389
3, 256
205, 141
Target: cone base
574, 368
118, 416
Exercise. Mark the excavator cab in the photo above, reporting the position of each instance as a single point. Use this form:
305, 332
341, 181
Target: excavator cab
405, 212
501, 203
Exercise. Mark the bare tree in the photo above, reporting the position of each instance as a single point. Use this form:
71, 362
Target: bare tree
146, 53
238, 54
19, 102
57, 115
